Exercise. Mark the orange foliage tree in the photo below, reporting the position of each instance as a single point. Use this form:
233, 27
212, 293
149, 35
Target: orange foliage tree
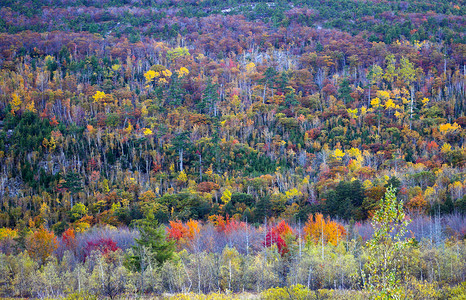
220, 223
41, 244
183, 233
317, 229
69, 239
417, 204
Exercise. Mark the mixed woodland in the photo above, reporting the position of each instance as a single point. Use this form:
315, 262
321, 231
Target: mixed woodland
302, 149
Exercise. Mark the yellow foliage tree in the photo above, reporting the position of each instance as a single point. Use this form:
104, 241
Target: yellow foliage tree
250, 67
15, 103
375, 102
292, 193
353, 113
338, 154
389, 104
446, 148
425, 101
167, 73
149, 75
99, 96
182, 177
226, 197
129, 129
182, 72
30, 107
147, 131
447, 128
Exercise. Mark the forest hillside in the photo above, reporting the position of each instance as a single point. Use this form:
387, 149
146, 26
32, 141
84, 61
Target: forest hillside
155, 147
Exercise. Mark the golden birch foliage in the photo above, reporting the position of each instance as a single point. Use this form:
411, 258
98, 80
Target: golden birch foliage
389, 104
182, 177
375, 102
167, 73
353, 113
425, 101
367, 184
7, 233
383, 95
226, 197
292, 193
446, 148
15, 103
129, 129
30, 107
149, 75
250, 67
182, 72
116, 67
99, 96
354, 152
447, 128
338, 154
147, 131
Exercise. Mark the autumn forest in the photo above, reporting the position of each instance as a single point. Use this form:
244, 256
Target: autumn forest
181, 149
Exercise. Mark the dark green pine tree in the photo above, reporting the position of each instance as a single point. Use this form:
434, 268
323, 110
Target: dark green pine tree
73, 183
152, 246
181, 142
344, 92
270, 77
208, 103
176, 92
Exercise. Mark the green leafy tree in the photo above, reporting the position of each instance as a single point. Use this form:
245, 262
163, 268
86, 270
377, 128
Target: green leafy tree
407, 74
387, 248
78, 211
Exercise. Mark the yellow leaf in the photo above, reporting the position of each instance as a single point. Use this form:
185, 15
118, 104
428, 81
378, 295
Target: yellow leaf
129, 129
446, 148
149, 75
354, 152
389, 104
363, 110
99, 96
384, 95
182, 72
375, 102
353, 113
15, 103
182, 177
338, 154
226, 197
425, 101
147, 131
167, 73
30, 107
